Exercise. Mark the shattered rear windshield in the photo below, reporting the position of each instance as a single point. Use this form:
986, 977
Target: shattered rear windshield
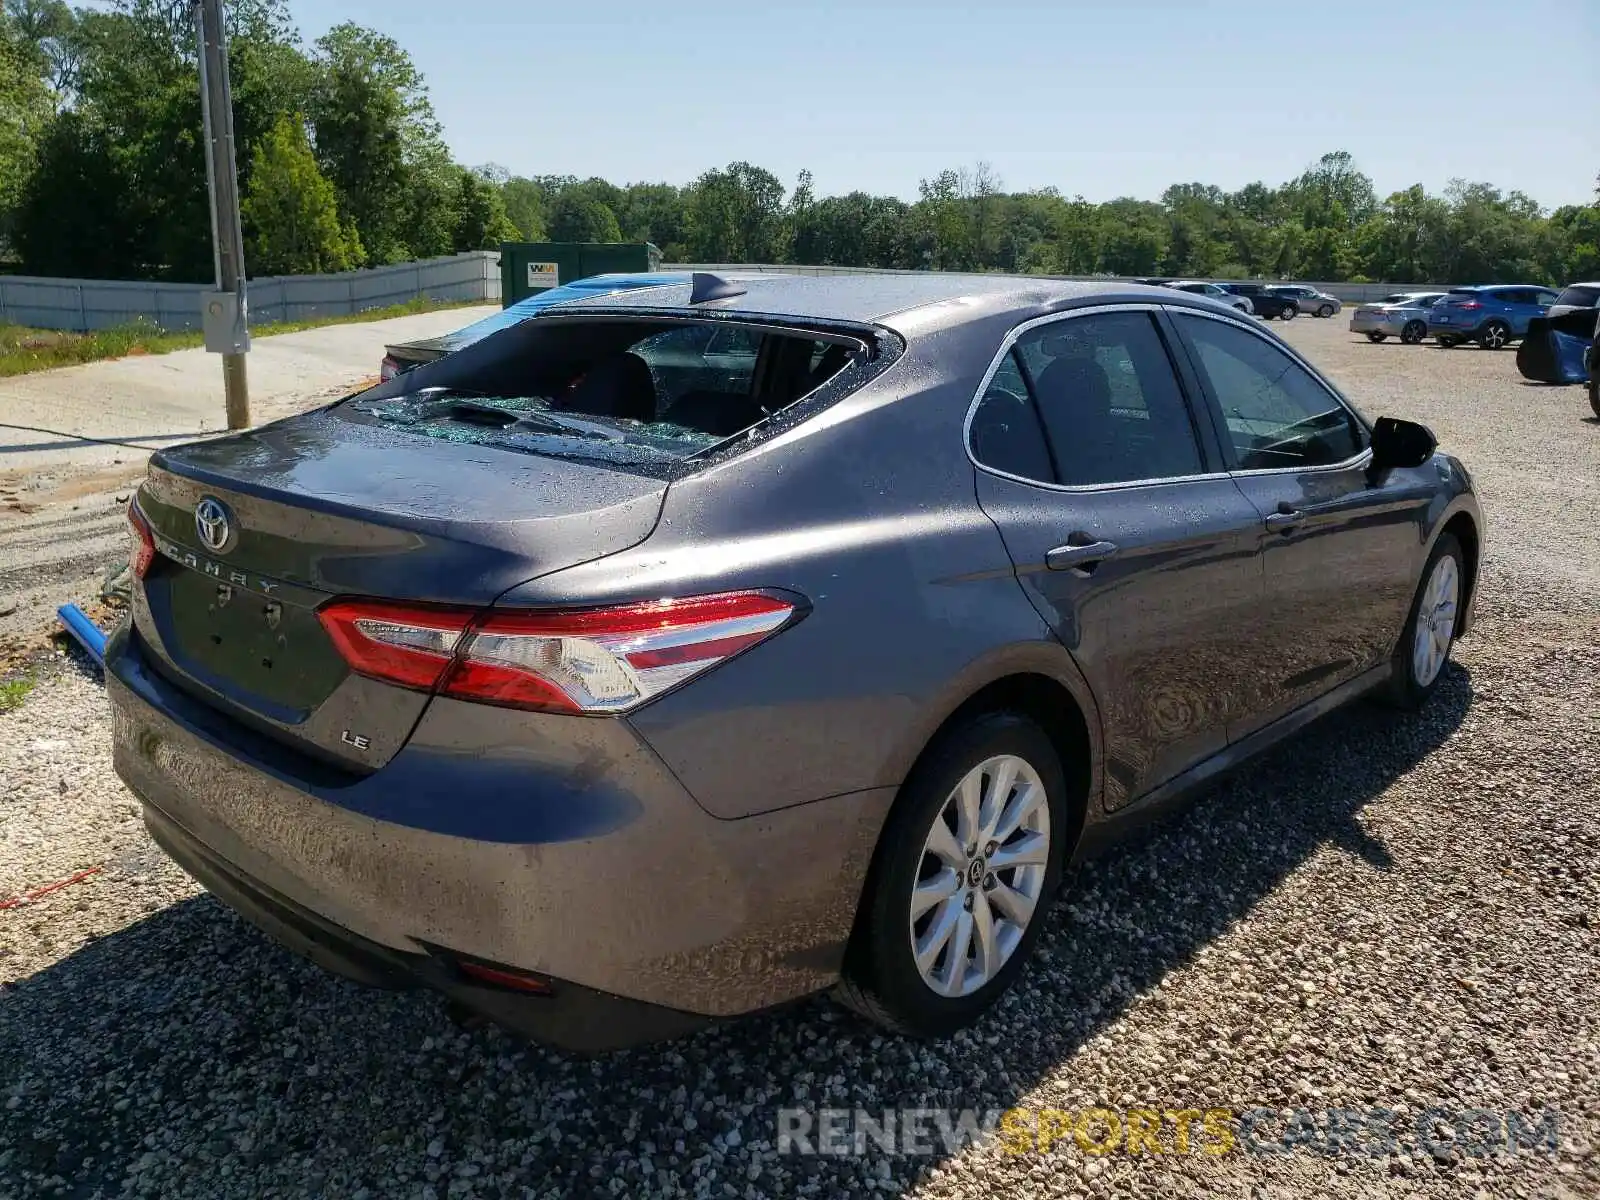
626, 392
526, 423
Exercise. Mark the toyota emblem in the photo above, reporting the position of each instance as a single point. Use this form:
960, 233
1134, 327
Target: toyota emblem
212, 524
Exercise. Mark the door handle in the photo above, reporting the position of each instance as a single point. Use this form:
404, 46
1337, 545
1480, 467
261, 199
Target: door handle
1284, 520
1083, 556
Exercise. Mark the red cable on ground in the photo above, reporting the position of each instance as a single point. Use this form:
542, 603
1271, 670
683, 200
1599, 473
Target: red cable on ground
29, 897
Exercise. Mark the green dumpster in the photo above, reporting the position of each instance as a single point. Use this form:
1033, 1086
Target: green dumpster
528, 268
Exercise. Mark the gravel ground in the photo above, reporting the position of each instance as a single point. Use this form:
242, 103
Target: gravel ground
1387, 913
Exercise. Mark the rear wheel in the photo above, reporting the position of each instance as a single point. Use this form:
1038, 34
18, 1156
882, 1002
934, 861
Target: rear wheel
1413, 332
1430, 631
965, 870
1594, 394
1325, 311
1376, 337
1494, 335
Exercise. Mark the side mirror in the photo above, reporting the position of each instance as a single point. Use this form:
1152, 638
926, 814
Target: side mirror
1397, 443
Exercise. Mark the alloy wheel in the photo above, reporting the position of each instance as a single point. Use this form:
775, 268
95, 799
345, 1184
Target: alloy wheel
1325, 311
1436, 621
1494, 337
1413, 332
981, 876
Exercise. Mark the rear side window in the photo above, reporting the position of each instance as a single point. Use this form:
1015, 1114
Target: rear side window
1108, 402
1276, 412
1006, 434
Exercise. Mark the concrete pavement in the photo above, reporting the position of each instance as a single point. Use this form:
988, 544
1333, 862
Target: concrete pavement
154, 400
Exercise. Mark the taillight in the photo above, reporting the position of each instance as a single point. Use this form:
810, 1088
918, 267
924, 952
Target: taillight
603, 660
141, 542
1467, 304
404, 644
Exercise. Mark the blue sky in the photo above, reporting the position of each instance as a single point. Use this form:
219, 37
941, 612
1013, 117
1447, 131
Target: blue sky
1104, 99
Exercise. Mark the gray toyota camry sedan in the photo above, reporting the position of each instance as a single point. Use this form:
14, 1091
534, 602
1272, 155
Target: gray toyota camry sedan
677, 653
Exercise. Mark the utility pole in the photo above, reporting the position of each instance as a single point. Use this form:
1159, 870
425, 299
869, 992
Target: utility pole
226, 315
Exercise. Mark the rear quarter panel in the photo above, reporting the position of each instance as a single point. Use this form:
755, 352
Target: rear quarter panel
869, 511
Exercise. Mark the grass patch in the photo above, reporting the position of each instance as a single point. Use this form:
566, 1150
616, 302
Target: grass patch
13, 692
23, 350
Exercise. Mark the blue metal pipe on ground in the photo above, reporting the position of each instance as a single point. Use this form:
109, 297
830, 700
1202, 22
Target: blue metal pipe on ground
85, 631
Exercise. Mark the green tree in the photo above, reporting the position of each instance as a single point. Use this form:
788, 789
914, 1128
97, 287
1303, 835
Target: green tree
379, 142
26, 106
290, 211
1134, 237
578, 217
481, 223
735, 215
524, 203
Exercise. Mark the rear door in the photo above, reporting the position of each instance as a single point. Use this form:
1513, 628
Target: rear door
1339, 552
1126, 534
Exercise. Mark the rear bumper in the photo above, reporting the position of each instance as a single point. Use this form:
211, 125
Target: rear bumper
567, 851
571, 1017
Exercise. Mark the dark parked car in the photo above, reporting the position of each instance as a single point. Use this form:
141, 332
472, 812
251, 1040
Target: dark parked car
1267, 305
1493, 316
611, 687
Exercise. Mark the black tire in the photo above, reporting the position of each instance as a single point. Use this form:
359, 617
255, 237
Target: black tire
1376, 337
1325, 311
880, 978
1406, 691
1289, 313
1594, 394
1412, 332
1496, 335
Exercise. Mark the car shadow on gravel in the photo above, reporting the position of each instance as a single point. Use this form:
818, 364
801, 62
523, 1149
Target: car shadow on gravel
187, 1047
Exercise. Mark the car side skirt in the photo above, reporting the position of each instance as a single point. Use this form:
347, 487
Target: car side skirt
1101, 835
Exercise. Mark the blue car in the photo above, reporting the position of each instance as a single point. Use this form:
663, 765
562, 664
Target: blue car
1493, 315
403, 356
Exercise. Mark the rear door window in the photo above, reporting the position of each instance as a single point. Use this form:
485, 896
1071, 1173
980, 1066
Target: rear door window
1109, 399
1276, 413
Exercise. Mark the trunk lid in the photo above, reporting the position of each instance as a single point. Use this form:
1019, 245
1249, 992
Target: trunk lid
319, 506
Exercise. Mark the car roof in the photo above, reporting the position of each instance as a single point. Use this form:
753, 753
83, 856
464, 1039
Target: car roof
887, 298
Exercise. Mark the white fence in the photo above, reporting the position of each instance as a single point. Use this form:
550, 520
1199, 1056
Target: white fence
1348, 292
85, 304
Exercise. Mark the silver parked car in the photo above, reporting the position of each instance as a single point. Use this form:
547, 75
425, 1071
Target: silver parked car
1308, 299
1199, 287
1403, 315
